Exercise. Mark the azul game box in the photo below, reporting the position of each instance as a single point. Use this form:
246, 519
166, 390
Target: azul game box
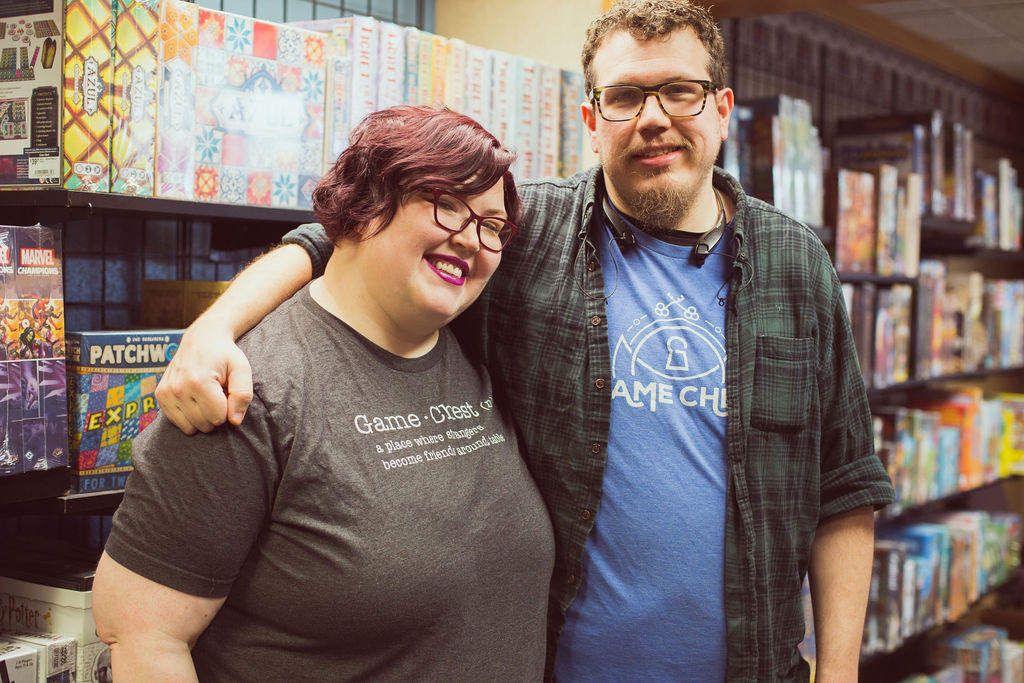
175, 170
133, 108
88, 39
241, 110
33, 398
30, 92
111, 380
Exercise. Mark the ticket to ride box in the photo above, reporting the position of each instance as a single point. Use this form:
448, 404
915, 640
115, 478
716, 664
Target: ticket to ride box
55, 76
111, 380
18, 662
55, 654
40, 608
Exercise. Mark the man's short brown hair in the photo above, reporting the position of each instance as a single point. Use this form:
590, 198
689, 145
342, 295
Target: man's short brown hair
647, 19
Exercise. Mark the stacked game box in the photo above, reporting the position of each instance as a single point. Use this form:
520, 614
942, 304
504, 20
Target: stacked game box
17, 662
850, 202
42, 605
33, 398
111, 380
55, 654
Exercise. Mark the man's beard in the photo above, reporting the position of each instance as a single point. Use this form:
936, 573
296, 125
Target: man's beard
660, 209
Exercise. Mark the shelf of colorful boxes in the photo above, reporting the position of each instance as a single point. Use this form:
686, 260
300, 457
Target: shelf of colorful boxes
169, 99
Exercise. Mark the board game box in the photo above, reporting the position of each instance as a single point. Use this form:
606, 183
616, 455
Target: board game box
31, 74
88, 39
43, 608
33, 398
133, 108
18, 662
55, 654
241, 110
111, 380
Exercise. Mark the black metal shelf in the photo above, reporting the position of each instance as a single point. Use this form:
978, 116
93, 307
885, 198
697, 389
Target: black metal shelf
877, 279
35, 485
79, 503
909, 657
46, 492
876, 393
946, 227
895, 513
942, 237
94, 202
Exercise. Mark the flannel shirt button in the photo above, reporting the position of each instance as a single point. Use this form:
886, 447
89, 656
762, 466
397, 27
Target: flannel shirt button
599, 383
596, 320
595, 448
572, 579
585, 513
592, 265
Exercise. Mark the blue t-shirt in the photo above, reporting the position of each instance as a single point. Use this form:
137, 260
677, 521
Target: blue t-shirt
650, 604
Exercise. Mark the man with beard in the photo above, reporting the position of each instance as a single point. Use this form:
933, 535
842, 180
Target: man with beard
679, 363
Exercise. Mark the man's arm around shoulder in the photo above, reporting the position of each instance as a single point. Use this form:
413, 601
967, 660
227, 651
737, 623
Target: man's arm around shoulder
209, 380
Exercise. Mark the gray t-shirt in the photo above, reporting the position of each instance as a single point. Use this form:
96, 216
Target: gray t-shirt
370, 519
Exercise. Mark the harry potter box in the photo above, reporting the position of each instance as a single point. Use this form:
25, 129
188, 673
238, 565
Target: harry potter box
111, 380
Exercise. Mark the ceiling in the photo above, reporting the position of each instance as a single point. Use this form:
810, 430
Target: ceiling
988, 32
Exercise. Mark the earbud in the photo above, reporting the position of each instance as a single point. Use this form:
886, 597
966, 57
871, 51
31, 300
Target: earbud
709, 239
623, 236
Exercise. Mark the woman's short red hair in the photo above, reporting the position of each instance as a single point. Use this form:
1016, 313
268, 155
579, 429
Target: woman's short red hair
397, 151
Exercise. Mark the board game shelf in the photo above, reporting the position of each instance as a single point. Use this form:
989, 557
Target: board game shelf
96, 202
877, 279
879, 394
42, 484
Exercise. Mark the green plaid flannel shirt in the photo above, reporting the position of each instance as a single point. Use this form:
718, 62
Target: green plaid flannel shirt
799, 430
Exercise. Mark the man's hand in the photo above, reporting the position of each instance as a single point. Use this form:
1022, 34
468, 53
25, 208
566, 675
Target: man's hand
208, 381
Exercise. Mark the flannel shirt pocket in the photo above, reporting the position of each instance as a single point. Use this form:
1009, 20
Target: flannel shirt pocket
783, 383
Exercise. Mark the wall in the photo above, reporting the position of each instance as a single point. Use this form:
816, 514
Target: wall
547, 30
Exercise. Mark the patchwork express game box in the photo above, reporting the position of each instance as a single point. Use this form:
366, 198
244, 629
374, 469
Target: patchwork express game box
111, 380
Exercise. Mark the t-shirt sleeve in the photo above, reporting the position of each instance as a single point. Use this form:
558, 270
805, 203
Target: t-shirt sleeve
195, 505
313, 238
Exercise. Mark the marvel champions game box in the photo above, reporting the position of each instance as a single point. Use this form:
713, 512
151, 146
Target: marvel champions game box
33, 398
111, 380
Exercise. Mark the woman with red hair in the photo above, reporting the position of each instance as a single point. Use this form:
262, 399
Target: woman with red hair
371, 517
